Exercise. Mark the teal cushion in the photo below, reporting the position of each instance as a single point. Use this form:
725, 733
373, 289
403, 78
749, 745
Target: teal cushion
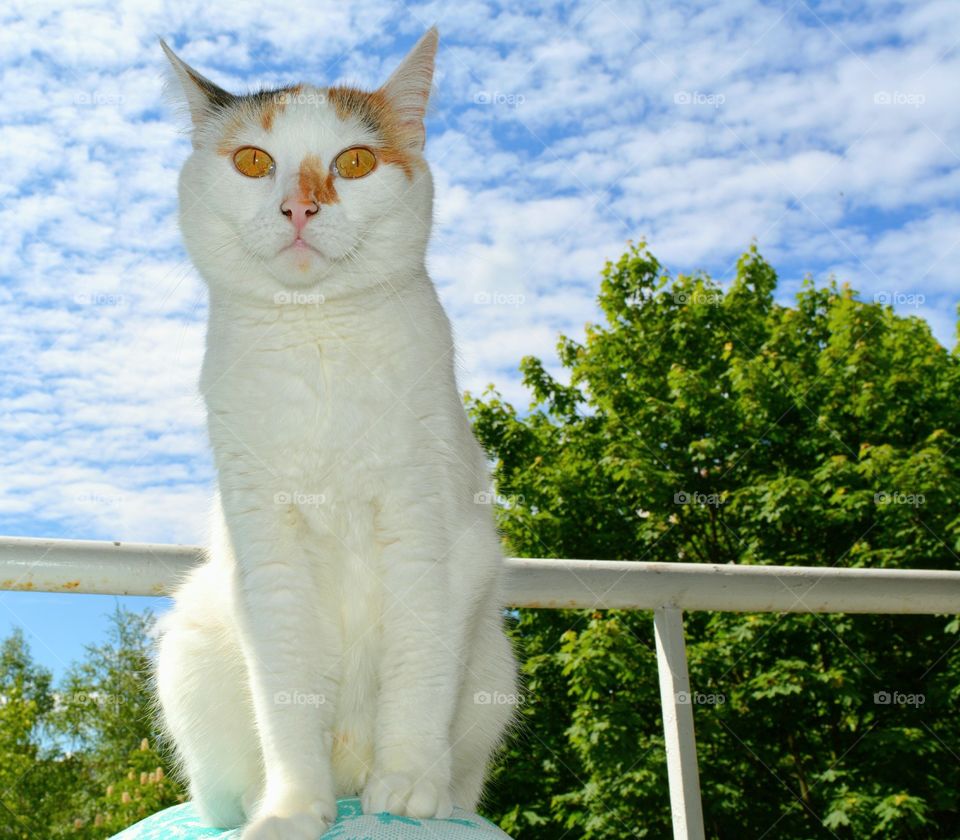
352, 824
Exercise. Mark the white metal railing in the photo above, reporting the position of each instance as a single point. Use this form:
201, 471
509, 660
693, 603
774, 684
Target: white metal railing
38, 565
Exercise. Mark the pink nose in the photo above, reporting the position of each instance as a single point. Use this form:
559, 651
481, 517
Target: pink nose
299, 211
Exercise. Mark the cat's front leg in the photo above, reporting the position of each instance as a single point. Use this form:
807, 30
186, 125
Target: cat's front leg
418, 670
291, 653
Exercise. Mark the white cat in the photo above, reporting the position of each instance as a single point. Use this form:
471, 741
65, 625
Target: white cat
345, 634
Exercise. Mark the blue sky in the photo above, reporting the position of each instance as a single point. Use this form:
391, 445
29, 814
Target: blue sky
828, 132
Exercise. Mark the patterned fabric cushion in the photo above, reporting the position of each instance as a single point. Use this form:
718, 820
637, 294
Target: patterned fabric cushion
352, 824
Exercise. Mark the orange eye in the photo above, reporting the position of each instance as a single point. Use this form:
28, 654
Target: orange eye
355, 162
252, 162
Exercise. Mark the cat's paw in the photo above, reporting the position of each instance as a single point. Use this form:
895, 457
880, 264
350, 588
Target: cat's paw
292, 821
407, 796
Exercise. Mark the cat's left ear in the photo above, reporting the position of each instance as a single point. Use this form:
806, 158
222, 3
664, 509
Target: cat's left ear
408, 89
203, 98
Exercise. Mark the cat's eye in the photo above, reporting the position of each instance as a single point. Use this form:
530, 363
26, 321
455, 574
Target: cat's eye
355, 162
253, 162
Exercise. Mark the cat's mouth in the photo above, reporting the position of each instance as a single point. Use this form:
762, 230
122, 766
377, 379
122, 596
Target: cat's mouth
301, 246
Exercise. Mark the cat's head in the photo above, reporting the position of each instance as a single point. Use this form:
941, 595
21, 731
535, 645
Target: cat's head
307, 186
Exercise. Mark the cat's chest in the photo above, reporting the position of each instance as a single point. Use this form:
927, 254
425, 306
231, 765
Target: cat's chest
288, 392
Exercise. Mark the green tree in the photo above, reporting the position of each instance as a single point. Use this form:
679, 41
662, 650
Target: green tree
106, 718
32, 771
25, 698
145, 789
710, 424
77, 761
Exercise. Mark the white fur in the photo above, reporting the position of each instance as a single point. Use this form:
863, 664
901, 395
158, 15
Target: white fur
349, 610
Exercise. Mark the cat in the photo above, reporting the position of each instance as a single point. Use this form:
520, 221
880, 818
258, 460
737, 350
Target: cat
344, 634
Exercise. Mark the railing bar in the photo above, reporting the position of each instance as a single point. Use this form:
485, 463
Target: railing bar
88, 566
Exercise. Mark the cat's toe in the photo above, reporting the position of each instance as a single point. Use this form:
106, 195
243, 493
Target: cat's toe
306, 824
407, 796
429, 801
383, 793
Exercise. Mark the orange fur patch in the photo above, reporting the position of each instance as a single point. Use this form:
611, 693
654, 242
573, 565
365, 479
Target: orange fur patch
401, 159
262, 107
376, 113
268, 113
277, 102
316, 181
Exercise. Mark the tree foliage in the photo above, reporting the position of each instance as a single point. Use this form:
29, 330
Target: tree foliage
707, 424
78, 760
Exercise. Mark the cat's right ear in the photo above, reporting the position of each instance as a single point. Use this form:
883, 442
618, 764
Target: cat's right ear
186, 86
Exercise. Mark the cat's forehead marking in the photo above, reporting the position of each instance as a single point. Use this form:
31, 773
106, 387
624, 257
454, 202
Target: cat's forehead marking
277, 102
261, 107
371, 109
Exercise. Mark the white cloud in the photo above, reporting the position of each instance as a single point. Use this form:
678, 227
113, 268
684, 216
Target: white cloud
827, 132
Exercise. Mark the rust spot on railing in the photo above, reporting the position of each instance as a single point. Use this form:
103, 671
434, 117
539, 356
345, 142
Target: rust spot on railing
11, 585
75, 585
